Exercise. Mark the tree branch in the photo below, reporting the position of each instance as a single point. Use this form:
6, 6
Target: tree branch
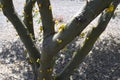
76, 25
54, 43
28, 18
46, 16
9, 12
88, 44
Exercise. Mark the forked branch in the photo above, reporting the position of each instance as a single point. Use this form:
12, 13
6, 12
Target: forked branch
74, 27
88, 44
9, 12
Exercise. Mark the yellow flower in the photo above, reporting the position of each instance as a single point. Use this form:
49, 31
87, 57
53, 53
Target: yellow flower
36, 10
49, 70
61, 27
59, 40
56, 22
38, 60
82, 34
31, 61
41, 28
44, 79
23, 12
50, 7
31, 35
87, 38
1, 6
110, 8
39, 5
40, 71
25, 4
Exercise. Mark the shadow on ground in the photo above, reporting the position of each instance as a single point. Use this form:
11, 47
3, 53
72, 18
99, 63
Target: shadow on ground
102, 63
12, 59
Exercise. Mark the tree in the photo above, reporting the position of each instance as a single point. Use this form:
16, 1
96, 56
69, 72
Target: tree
43, 61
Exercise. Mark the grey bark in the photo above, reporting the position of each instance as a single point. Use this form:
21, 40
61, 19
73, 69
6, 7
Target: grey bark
28, 18
87, 45
50, 45
23, 32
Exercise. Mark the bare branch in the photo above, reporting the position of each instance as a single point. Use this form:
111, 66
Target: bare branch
47, 61
46, 16
74, 27
28, 19
88, 44
9, 12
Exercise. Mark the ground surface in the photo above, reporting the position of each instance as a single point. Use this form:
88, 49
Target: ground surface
103, 63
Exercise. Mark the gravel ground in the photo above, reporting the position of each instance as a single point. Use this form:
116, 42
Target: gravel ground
102, 63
